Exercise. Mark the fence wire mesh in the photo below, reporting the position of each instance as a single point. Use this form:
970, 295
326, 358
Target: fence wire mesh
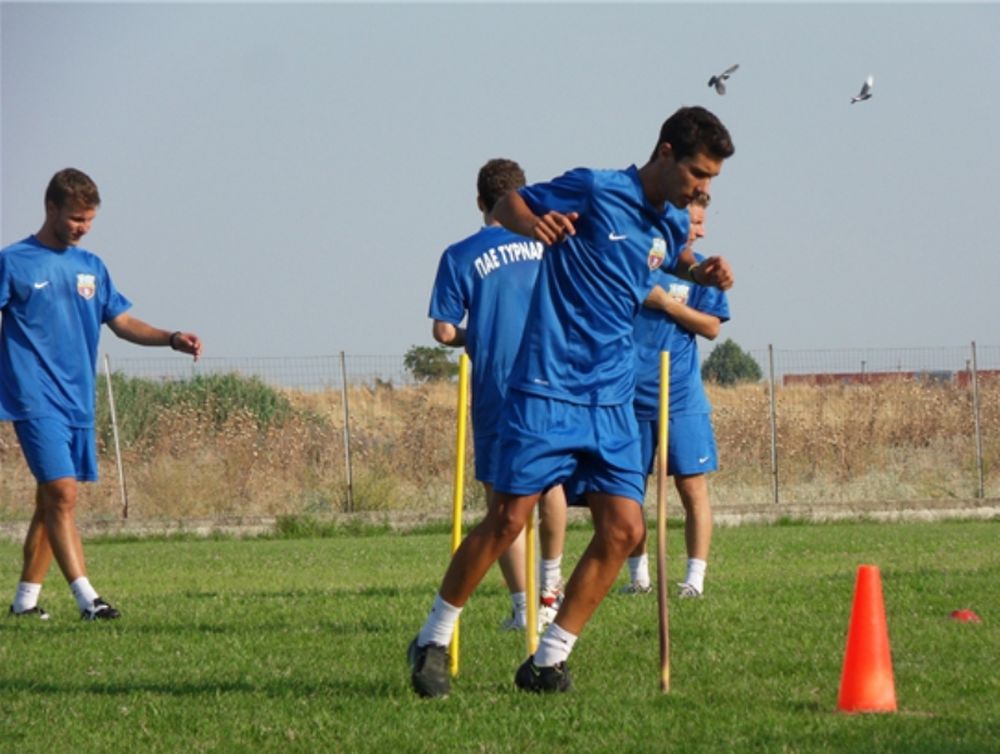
841, 426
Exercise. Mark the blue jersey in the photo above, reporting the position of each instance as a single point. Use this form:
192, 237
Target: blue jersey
54, 303
578, 347
655, 332
489, 278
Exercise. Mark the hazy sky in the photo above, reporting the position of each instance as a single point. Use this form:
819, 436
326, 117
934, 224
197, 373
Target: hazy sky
282, 178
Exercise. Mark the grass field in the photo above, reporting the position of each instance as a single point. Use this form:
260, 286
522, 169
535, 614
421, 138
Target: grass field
298, 644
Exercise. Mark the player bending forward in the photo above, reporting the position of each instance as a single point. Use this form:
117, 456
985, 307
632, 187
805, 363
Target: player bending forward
569, 404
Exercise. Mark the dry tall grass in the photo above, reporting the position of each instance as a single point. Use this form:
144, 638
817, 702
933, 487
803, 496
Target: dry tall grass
901, 440
892, 441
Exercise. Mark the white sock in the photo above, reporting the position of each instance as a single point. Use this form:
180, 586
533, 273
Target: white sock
638, 569
555, 646
551, 574
83, 592
696, 574
519, 601
440, 624
26, 596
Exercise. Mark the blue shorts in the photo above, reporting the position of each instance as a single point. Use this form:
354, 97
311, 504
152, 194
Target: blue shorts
55, 450
486, 456
690, 445
544, 442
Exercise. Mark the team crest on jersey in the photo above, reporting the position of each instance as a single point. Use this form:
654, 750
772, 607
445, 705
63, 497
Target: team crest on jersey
657, 253
86, 285
680, 291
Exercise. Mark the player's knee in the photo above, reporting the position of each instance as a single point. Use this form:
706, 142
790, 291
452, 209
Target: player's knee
60, 499
623, 534
506, 525
635, 531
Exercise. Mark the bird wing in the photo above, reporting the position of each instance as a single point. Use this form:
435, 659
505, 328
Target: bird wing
731, 69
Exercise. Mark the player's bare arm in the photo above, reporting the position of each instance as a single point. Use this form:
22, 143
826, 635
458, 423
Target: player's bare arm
690, 319
658, 298
714, 272
448, 334
134, 330
693, 320
514, 214
553, 227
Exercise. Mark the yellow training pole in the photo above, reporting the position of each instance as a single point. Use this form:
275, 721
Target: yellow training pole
459, 491
661, 520
531, 584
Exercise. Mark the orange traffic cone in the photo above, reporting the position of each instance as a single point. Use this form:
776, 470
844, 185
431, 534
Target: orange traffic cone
867, 684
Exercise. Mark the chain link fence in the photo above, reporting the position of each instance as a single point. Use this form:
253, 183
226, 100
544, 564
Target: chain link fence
361, 433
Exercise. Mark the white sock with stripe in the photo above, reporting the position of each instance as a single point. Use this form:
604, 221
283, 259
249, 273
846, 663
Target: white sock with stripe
84, 593
440, 624
554, 647
26, 596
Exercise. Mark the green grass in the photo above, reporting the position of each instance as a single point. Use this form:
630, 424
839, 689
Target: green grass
298, 644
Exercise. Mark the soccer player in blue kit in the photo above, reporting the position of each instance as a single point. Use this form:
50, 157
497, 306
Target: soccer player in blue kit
692, 310
569, 404
486, 280
54, 297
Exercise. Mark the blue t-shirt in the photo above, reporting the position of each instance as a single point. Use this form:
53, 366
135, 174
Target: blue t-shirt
656, 332
578, 345
488, 276
54, 303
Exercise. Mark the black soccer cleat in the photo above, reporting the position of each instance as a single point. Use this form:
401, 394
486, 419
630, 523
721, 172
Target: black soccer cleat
530, 677
99, 610
32, 612
429, 669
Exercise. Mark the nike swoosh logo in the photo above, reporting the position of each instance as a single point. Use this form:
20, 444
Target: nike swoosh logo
703, 459
39, 286
615, 237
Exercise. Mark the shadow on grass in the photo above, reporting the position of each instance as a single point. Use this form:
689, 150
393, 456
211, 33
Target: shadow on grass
313, 594
333, 687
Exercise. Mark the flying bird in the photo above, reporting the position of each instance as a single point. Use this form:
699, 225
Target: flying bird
866, 90
719, 81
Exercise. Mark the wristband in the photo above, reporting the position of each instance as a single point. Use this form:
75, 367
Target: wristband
172, 336
691, 269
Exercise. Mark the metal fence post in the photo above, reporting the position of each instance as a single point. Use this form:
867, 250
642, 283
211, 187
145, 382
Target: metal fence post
979, 429
347, 436
774, 423
114, 433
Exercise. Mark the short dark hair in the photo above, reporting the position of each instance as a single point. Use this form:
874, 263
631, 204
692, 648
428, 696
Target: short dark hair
496, 178
72, 185
694, 129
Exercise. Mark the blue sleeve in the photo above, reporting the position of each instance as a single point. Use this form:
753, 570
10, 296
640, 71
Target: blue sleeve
4, 282
708, 299
448, 303
114, 303
569, 192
